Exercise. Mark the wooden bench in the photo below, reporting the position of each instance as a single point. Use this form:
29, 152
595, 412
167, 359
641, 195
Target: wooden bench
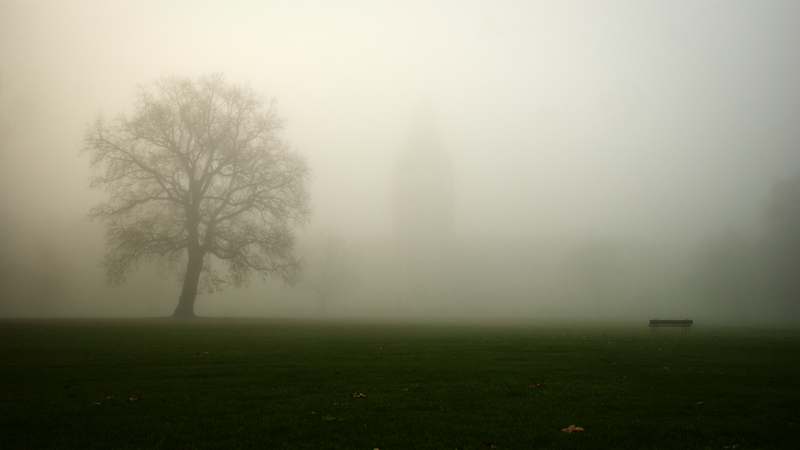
685, 324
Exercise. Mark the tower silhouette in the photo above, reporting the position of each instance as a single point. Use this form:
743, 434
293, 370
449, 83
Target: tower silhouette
423, 204
423, 188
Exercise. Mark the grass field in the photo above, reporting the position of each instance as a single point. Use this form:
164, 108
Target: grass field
287, 385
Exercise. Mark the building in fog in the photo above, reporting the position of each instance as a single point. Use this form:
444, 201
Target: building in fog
423, 209
423, 189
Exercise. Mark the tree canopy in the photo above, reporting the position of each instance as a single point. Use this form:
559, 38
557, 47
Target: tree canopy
198, 175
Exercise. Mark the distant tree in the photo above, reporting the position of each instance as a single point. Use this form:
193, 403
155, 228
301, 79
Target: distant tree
332, 268
781, 242
726, 274
198, 172
756, 276
597, 273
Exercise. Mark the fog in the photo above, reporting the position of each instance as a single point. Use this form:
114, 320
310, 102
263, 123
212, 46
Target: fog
612, 161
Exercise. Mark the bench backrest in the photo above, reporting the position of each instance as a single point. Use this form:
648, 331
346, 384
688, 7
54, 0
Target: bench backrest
671, 322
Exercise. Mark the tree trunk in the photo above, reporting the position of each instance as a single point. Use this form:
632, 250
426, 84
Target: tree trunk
189, 292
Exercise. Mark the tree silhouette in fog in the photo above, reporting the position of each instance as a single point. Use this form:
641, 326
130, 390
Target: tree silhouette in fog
781, 243
331, 268
198, 177
757, 276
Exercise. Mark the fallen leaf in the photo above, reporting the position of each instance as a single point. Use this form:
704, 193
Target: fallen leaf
331, 419
489, 444
621, 391
336, 373
58, 432
699, 403
572, 428
666, 368
357, 395
611, 362
405, 389
96, 403
535, 384
109, 397
131, 399
487, 379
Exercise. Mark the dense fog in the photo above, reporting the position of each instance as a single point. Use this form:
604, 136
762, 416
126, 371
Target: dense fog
613, 161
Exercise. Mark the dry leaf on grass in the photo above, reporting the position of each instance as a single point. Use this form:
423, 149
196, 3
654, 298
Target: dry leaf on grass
357, 395
489, 444
666, 368
535, 384
58, 431
96, 403
132, 399
572, 428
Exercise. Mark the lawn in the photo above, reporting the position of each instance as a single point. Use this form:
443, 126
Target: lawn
272, 384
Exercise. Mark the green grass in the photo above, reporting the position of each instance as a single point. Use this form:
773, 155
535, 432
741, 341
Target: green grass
283, 384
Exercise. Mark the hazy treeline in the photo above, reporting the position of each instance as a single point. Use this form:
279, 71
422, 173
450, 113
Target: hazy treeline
734, 275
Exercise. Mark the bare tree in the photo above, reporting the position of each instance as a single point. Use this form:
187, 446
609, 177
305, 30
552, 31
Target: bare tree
198, 171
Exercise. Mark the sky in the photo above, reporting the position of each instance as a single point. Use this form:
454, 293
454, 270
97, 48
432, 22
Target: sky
645, 120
